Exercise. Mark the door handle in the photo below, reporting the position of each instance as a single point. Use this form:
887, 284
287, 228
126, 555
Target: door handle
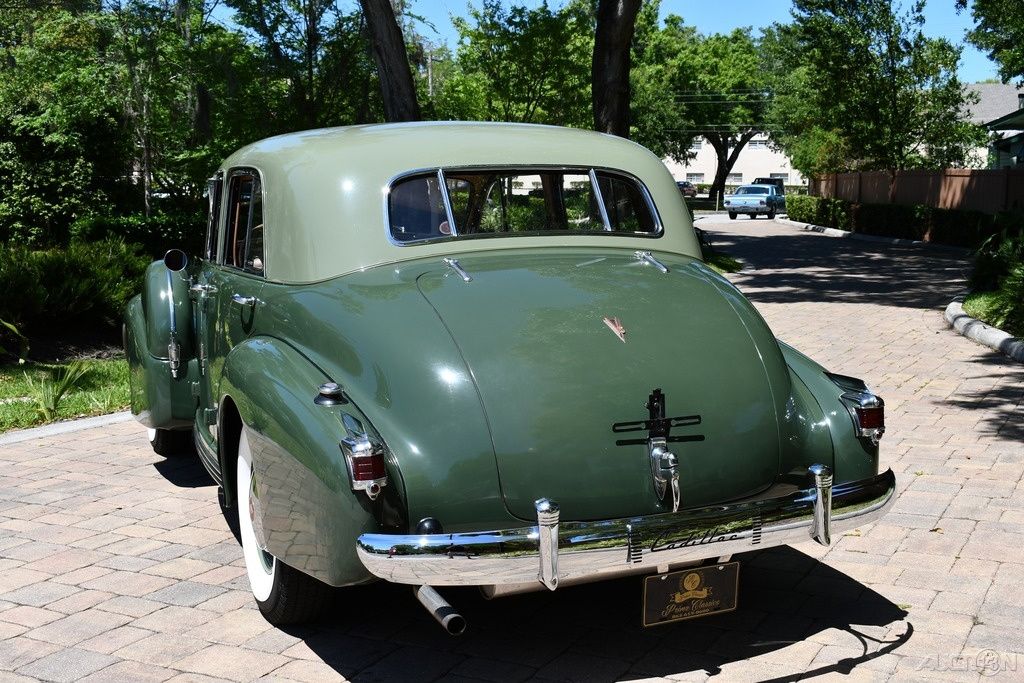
201, 290
244, 300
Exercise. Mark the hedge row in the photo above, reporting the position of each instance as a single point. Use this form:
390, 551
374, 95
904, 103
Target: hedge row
942, 226
154, 235
87, 283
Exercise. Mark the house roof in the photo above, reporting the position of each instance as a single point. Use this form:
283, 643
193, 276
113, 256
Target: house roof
1012, 121
995, 100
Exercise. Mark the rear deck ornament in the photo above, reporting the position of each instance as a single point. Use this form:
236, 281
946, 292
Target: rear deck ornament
615, 325
664, 463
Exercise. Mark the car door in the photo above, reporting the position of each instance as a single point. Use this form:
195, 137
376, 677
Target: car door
233, 285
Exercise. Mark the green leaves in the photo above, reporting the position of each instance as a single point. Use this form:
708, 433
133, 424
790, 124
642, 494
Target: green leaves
48, 392
999, 31
858, 86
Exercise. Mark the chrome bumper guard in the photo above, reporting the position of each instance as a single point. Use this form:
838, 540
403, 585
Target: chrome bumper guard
570, 552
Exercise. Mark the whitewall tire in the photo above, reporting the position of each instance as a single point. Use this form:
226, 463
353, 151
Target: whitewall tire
283, 594
259, 564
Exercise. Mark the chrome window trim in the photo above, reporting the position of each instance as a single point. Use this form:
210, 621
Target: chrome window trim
587, 170
601, 206
442, 186
221, 251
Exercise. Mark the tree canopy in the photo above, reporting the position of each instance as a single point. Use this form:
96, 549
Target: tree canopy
858, 86
999, 30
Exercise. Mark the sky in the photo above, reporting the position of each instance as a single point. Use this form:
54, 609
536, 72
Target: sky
721, 16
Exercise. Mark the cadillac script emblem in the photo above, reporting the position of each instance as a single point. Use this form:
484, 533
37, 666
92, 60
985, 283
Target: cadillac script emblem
615, 325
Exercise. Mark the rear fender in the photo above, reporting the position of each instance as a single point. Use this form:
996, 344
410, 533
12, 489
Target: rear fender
855, 458
158, 342
304, 510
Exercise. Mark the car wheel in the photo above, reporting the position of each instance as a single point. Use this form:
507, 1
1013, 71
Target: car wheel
171, 442
732, 215
753, 216
771, 215
283, 594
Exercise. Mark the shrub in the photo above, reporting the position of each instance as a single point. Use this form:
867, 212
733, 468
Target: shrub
802, 208
155, 235
1009, 303
87, 282
996, 257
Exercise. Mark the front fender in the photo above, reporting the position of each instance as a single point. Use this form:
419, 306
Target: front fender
855, 458
305, 512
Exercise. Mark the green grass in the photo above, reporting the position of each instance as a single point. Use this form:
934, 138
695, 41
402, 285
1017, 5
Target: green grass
984, 307
723, 263
104, 390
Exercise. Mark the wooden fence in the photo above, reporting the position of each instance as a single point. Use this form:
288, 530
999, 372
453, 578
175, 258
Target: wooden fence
989, 191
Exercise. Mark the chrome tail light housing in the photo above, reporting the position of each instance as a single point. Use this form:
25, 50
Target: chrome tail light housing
366, 467
866, 409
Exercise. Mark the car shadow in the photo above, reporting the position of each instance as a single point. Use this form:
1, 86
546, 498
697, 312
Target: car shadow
184, 470
800, 267
593, 632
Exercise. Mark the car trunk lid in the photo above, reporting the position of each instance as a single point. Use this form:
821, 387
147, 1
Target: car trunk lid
563, 345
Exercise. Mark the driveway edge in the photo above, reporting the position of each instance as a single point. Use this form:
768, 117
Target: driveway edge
984, 334
65, 427
894, 241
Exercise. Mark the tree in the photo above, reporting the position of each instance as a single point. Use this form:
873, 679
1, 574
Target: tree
724, 93
858, 86
63, 150
616, 21
999, 30
531, 65
389, 53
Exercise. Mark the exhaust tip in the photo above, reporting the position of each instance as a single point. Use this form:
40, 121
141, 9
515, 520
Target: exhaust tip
455, 625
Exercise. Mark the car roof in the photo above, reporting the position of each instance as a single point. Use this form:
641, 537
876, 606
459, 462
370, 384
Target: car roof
325, 191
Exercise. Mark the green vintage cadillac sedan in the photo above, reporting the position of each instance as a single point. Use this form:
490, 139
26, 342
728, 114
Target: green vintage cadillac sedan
449, 354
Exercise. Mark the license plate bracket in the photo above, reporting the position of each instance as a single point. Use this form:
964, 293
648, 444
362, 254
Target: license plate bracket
690, 593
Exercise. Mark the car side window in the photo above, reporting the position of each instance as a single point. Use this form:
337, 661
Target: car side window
213, 192
243, 234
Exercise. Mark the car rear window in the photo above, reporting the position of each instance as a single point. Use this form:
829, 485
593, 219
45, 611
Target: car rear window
455, 203
752, 190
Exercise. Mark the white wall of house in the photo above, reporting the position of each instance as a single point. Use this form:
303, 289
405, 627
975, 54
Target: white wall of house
756, 160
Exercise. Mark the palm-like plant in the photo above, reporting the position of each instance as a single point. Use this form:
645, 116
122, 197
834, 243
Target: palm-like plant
49, 391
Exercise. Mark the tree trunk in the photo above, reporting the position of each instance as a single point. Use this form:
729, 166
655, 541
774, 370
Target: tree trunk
726, 159
396, 84
616, 20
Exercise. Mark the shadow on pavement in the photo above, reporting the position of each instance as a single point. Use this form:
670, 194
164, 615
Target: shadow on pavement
1003, 404
802, 267
593, 632
184, 470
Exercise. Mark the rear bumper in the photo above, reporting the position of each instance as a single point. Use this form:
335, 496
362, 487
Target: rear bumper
751, 209
553, 552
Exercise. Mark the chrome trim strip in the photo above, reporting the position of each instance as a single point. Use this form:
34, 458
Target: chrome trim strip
442, 187
207, 456
648, 257
596, 189
453, 263
605, 548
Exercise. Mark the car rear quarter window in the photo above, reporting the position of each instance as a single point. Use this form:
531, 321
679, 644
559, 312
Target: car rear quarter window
456, 203
243, 234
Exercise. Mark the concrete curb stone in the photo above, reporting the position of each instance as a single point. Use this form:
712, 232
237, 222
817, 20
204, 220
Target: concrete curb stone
895, 241
984, 334
19, 435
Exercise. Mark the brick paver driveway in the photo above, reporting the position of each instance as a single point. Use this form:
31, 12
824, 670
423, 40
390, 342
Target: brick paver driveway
117, 564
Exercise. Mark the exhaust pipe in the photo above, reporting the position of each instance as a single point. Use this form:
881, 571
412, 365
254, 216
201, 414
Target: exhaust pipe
441, 610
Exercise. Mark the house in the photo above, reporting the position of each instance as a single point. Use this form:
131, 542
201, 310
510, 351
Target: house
756, 160
999, 108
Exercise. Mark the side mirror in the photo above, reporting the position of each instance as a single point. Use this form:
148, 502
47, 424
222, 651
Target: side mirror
175, 260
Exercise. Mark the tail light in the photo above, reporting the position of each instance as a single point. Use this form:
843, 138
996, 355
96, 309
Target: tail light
866, 409
365, 462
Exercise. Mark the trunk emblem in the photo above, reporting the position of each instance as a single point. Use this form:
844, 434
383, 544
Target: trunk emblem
615, 325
